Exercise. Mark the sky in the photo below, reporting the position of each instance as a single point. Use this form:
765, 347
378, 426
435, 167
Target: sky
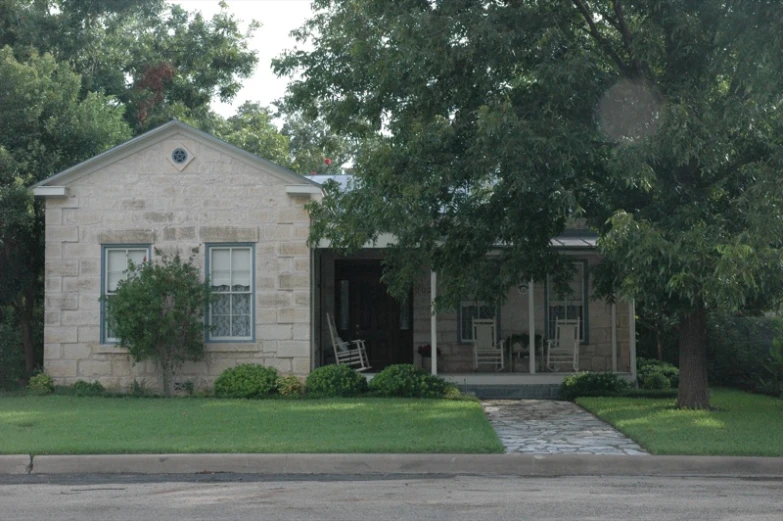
278, 18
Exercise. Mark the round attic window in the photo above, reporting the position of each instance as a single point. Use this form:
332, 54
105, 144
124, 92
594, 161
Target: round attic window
179, 155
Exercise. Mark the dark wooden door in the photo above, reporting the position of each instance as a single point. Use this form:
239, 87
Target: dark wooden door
371, 314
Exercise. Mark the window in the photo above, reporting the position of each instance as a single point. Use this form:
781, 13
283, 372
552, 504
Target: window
113, 270
571, 305
231, 313
470, 310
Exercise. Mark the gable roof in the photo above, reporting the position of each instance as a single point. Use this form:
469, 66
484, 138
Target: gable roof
160, 133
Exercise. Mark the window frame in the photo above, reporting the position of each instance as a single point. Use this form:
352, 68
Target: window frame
479, 303
585, 318
209, 247
105, 248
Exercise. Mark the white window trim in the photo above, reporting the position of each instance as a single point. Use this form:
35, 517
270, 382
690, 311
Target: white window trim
462, 305
231, 247
583, 303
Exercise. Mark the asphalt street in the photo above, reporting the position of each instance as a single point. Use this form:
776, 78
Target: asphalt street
221, 497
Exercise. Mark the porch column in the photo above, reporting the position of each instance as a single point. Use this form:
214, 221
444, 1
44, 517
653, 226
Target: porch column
531, 325
614, 337
434, 322
632, 330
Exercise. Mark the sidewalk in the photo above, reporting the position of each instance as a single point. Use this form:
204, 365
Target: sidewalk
413, 464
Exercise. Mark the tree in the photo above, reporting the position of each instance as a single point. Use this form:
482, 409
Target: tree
493, 123
157, 313
46, 127
251, 129
157, 59
313, 148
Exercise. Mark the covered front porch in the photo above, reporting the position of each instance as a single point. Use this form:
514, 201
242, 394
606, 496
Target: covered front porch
349, 290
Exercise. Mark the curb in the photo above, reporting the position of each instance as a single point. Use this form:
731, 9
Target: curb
412, 464
15, 464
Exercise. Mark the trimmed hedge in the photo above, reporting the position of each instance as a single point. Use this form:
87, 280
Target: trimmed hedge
290, 385
592, 384
652, 373
407, 381
246, 381
335, 381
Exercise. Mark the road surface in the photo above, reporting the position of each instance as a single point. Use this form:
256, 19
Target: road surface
345, 498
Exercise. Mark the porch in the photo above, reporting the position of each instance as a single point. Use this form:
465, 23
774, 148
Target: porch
349, 289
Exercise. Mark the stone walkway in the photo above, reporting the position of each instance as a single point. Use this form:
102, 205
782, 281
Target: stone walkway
551, 427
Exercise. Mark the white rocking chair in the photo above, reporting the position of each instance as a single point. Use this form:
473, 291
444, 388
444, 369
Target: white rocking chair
564, 349
485, 351
353, 353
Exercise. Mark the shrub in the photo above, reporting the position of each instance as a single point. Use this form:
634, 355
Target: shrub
407, 381
157, 313
655, 381
646, 367
139, 388
452, 392
591, 384
335, 380
738, 348
41, 383
82, 388
290, 385
246, 381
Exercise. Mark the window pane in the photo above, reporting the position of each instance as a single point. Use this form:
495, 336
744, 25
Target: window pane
220, 269
240, 269
240, 304
222, 326
137, 256
221, 305
241, 326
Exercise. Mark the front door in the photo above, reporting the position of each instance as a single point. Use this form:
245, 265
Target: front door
366, 311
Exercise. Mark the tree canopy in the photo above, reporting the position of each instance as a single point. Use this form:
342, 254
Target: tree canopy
493, 123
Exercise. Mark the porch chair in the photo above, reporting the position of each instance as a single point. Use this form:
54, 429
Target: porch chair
352, 353
564, 349
485, 351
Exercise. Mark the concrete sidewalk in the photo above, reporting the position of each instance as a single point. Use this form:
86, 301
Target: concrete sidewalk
412, 464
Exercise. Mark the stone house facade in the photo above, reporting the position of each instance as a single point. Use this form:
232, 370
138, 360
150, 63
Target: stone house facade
177, 189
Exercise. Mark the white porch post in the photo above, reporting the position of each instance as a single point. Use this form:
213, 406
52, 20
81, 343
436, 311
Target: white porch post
434, 323
614, 337
632, 332
531, 325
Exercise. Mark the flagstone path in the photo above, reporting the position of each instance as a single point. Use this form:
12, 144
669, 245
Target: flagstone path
552, 427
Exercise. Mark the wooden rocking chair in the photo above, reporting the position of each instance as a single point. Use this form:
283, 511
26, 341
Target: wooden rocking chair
564, 349
353, 353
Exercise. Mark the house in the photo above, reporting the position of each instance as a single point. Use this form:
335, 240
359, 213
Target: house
176, 188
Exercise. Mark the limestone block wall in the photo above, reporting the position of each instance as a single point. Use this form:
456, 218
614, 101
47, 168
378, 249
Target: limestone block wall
144, 198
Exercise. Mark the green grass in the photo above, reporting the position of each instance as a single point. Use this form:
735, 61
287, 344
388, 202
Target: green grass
743, 424
73, 425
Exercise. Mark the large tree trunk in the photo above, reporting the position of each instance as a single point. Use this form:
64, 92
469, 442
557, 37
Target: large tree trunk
693, 393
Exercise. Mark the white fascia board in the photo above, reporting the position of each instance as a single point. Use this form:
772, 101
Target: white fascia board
302, 189
50, 191
384, 241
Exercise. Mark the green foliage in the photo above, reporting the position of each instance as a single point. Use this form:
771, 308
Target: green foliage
82, 388
739, 348
247, 381
139, 388
313, 147
647, 368
591, 384
41, 383
335, 381
655, 381
12, 367
452, 392
251, 129
157, 313
407, 381
290, 385
773, 384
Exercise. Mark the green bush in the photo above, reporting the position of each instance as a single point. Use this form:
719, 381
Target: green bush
335, 380
592, 384
82, 388
645, 368
290, 385
407, 381
12, 366
452, 392
41, 383
738, 349
655, 381
246, 381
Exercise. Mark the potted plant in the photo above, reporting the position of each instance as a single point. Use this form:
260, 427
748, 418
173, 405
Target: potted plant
425, 352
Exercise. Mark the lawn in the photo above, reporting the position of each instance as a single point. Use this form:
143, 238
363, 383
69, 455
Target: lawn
80, 425
743, 424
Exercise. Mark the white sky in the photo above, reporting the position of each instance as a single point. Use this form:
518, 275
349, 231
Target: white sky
278, 18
